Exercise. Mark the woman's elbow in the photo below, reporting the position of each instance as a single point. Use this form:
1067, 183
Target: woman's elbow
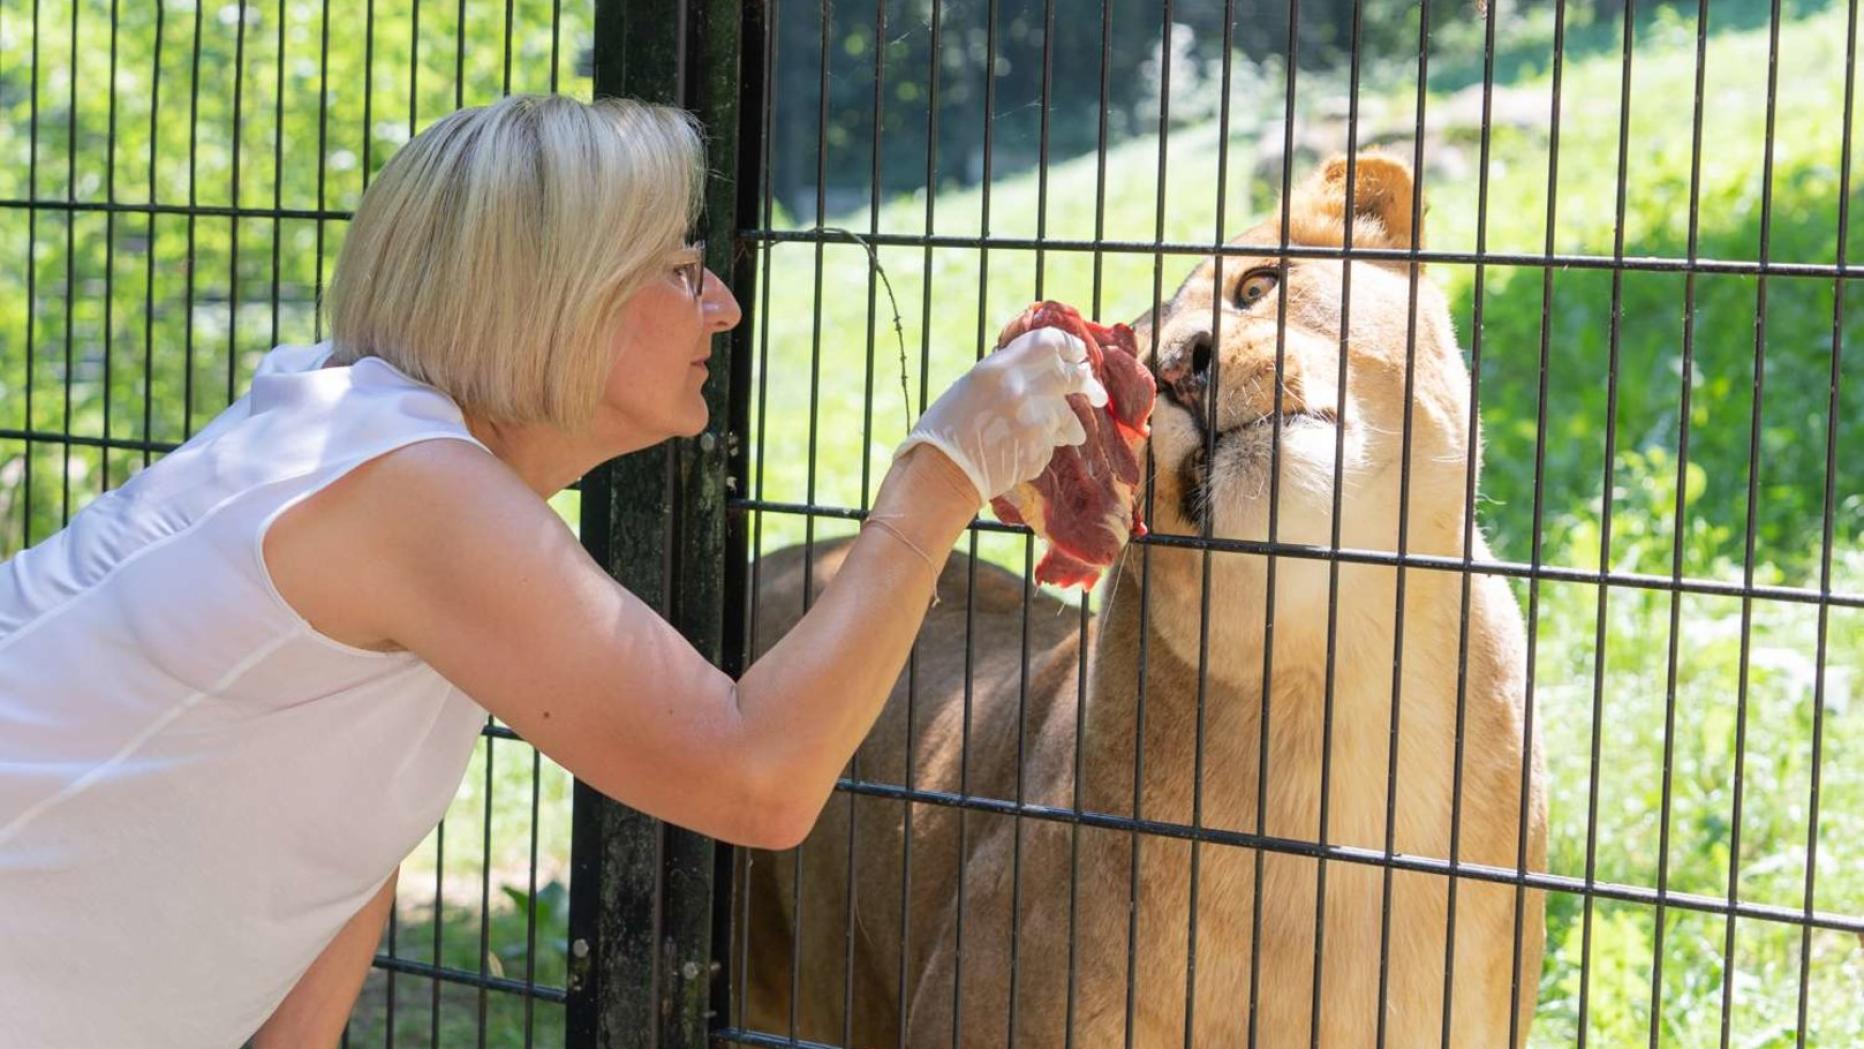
774, 814
780, 830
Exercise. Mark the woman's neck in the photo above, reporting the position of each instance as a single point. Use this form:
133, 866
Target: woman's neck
547, 459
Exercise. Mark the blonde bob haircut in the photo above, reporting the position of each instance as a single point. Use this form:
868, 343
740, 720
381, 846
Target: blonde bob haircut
491, 255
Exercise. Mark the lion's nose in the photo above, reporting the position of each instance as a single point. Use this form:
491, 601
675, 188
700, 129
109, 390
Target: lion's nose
1184, 370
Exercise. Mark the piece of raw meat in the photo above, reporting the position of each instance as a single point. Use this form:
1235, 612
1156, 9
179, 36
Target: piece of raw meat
1085, 504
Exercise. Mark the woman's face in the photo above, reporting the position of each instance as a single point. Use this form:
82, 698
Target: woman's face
660, 347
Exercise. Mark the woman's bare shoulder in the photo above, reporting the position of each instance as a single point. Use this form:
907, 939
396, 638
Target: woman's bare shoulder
333, 556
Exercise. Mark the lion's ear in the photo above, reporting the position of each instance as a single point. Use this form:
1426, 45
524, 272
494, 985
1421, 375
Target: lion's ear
1382, 200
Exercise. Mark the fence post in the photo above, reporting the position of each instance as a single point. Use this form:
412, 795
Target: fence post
648, 900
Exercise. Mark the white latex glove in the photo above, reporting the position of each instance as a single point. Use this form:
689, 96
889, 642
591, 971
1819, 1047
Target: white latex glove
1002, 420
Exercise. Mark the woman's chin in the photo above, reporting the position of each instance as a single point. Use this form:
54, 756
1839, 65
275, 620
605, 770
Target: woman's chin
695, 424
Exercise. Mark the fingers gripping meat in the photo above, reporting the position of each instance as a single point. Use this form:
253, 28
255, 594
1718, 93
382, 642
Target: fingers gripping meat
1085, 504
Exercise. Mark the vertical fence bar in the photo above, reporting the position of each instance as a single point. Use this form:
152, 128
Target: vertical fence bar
32, 270
756, 199
148, 286
1086, 611
109, 331
1826, 530
1472, 428
194, 139
934, 40
71, 272
1205, 525
1608, 487
734, 62
1756, 419
642, 904
1406, 438
1517, 978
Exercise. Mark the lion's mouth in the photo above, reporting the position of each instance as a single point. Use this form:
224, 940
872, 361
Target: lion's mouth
1289, 416
1195, 496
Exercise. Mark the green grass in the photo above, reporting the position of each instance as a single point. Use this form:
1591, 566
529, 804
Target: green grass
453, 1014
1632, 695
473, 877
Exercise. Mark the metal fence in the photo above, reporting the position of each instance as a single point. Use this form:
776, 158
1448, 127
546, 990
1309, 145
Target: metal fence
175, 181
1653, 337
1668, 512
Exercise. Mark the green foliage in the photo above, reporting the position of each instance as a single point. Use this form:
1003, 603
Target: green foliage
1096, 64
141, 325
1724, 335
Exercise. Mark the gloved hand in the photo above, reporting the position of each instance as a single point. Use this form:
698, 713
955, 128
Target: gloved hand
1001, 421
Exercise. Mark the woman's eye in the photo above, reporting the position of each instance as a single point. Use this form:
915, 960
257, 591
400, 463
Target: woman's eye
1255, 287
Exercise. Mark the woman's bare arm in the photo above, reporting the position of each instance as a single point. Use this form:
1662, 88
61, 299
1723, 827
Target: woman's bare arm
442, 549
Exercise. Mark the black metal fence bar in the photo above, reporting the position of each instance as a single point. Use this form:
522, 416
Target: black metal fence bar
130, 207
1265, 709
759, 57
1422, 256
1356, 855
1829, 506
1601, 632
1471, 422
648, 918
86, 441
1509, 569
481, 981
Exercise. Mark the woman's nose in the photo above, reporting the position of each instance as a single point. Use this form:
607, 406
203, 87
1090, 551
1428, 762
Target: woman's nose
722, 312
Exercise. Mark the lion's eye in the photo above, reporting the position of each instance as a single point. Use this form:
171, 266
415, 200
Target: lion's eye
1255, 287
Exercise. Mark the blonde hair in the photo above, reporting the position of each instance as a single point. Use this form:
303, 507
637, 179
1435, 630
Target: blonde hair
491, 254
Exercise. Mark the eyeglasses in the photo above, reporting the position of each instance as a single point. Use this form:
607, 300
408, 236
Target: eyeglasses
693, 271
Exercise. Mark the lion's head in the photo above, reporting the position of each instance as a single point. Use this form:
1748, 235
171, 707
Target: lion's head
1219, 419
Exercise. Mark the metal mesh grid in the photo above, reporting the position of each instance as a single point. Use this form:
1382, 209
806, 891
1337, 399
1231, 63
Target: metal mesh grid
176, 182
1707, 627
1665, 608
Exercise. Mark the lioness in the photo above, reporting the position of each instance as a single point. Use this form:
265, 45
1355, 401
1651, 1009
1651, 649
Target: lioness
1021, 932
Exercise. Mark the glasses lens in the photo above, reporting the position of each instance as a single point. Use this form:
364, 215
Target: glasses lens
695, 270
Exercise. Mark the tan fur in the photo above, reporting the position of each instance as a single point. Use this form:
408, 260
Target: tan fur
1154, 614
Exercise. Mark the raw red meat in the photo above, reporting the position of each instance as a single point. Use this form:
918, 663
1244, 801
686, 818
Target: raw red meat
1085, 504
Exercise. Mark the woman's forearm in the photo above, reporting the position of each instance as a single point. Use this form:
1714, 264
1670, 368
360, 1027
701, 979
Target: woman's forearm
808, 703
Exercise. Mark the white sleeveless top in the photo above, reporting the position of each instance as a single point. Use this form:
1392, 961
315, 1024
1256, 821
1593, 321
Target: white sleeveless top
197, 789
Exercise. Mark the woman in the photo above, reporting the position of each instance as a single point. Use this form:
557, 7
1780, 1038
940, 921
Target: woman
235, 692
